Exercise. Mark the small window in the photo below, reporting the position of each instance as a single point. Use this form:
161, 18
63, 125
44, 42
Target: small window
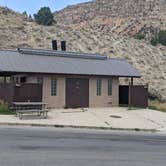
98, 85
53, 87
109, 87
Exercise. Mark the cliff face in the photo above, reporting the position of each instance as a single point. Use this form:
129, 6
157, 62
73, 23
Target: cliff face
126, 17
103, 26
111, 8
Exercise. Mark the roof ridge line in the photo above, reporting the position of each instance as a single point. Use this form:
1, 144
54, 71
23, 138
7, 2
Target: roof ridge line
13, 50
122, 59
44, 52
58, 51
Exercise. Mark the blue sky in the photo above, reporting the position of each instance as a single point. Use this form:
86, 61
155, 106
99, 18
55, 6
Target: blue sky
32, 6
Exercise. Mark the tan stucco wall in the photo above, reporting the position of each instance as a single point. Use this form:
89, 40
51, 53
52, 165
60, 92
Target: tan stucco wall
104, 100
94, 101
57, 101
115, 91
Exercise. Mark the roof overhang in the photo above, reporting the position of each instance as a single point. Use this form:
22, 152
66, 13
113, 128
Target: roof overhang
10, 73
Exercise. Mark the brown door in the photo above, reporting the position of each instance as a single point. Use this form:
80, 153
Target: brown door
77, 92
138, 96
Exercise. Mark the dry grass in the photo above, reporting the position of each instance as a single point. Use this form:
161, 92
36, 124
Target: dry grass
157, 105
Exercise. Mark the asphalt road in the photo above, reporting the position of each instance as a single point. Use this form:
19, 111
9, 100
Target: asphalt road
25, 146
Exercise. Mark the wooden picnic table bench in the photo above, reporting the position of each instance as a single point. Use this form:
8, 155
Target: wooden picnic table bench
30, 108
39, 113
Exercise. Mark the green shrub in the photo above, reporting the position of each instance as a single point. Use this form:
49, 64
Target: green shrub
25, 14
159, 38
130, 108
154, 41
154, 95
153, 107
4, 109
44, 16
140, 36
162, 37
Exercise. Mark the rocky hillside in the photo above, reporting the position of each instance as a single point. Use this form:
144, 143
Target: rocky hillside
126, 17
111, 8
103, 26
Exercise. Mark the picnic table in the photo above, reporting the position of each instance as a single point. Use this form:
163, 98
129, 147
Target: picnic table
30, 108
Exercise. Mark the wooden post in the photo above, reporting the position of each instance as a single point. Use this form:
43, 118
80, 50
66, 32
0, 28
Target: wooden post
130, 91
129, 96
132, 81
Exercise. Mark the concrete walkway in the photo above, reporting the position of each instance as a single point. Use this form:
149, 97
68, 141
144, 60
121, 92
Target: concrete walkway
103, 118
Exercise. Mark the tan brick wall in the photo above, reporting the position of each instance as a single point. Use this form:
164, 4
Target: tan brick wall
104, 100
57, 101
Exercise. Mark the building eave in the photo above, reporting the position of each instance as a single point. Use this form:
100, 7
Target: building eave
65, 74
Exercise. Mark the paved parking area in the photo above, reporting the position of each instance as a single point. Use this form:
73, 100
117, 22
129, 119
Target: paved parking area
115, 117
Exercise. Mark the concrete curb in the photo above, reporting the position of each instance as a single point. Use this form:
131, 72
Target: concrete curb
78, 127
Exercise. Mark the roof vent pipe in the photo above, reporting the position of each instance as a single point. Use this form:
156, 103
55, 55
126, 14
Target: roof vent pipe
63, 45
54, 45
